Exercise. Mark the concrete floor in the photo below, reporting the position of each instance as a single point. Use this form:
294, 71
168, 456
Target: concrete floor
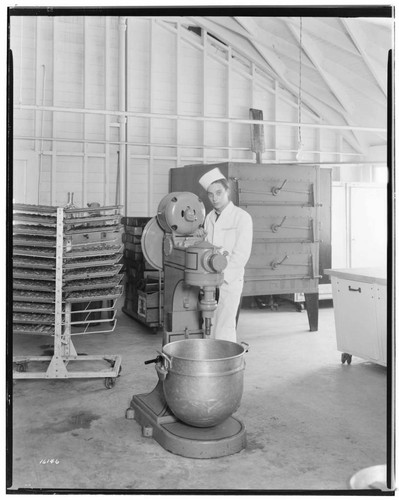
311, 421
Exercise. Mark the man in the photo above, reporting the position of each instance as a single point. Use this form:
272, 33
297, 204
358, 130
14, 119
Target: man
230, 228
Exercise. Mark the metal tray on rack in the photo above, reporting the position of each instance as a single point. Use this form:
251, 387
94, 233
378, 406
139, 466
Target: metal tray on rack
32, 262
19, 284
33, 319
32, 307
94, 251
84, 228
33, 229
33, 329
35, 209
34, 251
35, 218
101, 294
98, 260
95, 272
87, 239
110, 209
33, 274
33, 241
91, 284
33, 296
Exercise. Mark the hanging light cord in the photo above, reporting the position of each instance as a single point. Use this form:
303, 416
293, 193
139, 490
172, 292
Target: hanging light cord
300, 85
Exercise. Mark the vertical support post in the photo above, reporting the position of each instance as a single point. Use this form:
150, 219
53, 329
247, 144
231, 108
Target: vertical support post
348, 212
37, 87
160, 318
124, 179
58, 283
107, 117
276, 93
122, 107
204, 99
150, 130
85, 93
21, 54
312, 309
40, 92
318, 142
54, 124
67, 345
57, 368
228, 104
178, 66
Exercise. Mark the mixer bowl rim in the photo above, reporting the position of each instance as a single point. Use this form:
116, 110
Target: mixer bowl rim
205, 359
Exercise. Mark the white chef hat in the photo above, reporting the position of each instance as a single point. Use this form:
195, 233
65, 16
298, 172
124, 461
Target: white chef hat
211, 176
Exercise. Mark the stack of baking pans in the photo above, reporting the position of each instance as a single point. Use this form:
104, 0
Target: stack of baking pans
34, 254
91, 250
92, 269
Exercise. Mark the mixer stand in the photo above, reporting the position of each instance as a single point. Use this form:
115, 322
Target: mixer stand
157, 421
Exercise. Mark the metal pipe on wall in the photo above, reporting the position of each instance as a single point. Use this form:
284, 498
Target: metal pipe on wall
215, 119
162, 145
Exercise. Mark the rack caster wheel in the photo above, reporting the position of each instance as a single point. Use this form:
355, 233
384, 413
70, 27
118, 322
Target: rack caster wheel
300, 307
112, 363
20, 367
274, 307
345, 357
109, 382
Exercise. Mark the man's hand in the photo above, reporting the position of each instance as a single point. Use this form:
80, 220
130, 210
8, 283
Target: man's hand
200, 233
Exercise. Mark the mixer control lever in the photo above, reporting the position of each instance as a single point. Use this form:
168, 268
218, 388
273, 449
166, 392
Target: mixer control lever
158, 359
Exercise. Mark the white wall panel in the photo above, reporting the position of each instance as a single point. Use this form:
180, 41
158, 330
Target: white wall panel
95, 131
191, 81
95, 180
137, 182
138, 64
69, 179
163, 76
328, 144
240, 102
68, 71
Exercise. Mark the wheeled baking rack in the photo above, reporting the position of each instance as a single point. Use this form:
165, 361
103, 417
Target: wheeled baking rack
66, 281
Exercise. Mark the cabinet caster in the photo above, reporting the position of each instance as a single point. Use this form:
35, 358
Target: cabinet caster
20, 367
147, 431
129, 415
274, 307
299, 307
345, 357
109, 382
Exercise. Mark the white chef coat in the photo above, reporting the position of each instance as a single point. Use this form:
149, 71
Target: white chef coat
233, 232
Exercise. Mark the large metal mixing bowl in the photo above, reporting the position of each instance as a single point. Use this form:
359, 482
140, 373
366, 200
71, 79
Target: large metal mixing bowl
203, 379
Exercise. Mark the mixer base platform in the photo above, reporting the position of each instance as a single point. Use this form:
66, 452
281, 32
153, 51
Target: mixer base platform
157, 421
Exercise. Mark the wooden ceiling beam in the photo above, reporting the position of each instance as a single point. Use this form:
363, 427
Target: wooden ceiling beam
360, 40
318, 61
317, 29
278, 70
335, 86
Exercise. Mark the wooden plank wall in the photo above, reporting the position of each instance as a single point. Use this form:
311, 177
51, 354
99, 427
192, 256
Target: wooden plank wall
171, 71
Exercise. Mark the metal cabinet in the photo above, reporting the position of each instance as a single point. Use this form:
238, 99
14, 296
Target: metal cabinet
144, 283
284, 202
360, 311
